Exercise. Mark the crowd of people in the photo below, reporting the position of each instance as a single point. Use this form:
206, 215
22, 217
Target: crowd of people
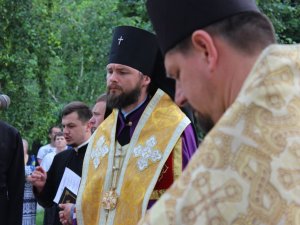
26, 214
134, 157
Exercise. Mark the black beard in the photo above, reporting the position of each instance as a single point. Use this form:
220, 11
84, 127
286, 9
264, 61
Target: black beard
204, 122
123, 100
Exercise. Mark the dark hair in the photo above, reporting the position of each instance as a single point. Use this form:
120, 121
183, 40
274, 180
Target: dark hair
50, 129
248, 32
83, 111
59, 134
102, 98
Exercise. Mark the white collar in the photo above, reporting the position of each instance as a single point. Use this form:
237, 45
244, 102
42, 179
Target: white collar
78, 147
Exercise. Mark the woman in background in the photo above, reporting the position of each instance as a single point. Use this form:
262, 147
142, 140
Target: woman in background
29, 204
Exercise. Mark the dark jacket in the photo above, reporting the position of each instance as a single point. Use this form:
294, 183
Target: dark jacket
68, 158
12, 175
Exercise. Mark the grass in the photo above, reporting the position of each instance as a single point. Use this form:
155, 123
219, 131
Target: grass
39, 217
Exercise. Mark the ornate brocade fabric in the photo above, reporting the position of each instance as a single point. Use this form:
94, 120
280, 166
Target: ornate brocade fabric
247, 169
156, 136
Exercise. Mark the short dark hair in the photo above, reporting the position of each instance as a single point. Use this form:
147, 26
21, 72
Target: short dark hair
102, 98
83, 111
248, 32
59, 134
50, 129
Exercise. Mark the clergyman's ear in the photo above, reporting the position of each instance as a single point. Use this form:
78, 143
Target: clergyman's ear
203, 41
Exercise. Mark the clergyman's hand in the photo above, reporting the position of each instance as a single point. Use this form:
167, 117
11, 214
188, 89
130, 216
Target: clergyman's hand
38, 178
65, 213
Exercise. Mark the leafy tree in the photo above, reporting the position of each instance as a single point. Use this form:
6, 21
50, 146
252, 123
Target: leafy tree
53, 52
24, 60
284, 15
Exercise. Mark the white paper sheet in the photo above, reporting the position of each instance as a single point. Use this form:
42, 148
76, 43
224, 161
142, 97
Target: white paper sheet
70, 180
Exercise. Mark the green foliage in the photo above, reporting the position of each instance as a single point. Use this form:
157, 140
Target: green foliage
53, 52
284, 14
135, 13
40, 217
24, 60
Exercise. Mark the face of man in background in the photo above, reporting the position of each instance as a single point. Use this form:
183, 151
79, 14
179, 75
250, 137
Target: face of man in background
54, 131
124, 85
60, 142
75, 131
98, 114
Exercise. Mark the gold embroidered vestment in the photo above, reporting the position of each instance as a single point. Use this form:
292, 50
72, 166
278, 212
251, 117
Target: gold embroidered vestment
247, 169
156, 135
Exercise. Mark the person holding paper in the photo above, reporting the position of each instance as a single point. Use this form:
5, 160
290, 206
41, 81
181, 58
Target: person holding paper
60, 144
52, 187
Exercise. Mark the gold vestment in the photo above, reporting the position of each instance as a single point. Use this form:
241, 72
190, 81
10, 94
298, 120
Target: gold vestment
155, 136
247, 169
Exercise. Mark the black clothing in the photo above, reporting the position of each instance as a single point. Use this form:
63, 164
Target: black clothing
134, 47
175, 20
49, 215
126, 126
139, 49
68, 158
12, 175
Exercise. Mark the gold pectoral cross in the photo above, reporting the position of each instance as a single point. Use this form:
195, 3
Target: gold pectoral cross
110, 199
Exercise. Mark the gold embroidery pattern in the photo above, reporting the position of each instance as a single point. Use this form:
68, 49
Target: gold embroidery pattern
264, 199
210, 199
99, 151
156, 194
176, 191
290, 179
246, 170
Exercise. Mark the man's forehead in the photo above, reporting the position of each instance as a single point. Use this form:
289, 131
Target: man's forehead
60, 137
56, 129
117, 66
71, 118
169, 63
99, 107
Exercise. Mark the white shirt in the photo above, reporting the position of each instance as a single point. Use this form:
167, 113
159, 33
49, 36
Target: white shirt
44, 150
47, 161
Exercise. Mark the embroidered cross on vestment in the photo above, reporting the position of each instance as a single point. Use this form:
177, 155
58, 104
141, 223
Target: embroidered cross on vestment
146, 153
99, 151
